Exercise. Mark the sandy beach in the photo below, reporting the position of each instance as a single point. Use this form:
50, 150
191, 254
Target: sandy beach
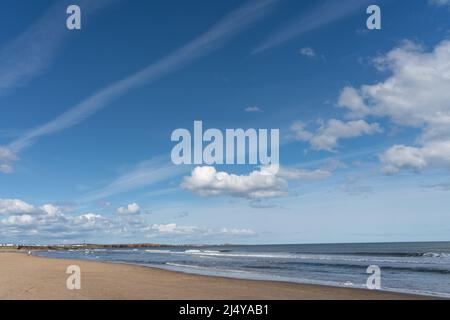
35, 278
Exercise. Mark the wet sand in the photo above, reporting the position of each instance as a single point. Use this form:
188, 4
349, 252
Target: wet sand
35, 278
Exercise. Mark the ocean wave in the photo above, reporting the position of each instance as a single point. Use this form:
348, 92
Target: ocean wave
242, 274
436, 255
211, 270
384, 254
158, 251
240, 255
426, 269
361, 267
172, 264
296, 257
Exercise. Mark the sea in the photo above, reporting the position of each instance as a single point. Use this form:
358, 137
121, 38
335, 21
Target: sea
417, 268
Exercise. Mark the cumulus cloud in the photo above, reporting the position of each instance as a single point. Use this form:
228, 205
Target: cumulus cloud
51, 210
435, 154
132, 208
328, 134
207, 181
15, 206
352, 100
24, 219
415, 95
26, 223
308, 52
268, 182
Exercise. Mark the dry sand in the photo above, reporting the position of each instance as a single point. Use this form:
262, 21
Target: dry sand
30, 277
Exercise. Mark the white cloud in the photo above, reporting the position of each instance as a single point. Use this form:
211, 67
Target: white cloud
300, 132
173, 228
6, 168
19, 207
6, 158
415, 95
170, 227
253, 109
301, 174
51, 210
89, 218
328, 134
434, 154
439, 3
25, 219
132, 208
7, 155
351, 99
237, 232
27, 223
268, 182
402, 156
15, 206
207, 181
308, 52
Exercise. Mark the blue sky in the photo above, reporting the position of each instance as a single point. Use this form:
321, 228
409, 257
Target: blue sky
87, 117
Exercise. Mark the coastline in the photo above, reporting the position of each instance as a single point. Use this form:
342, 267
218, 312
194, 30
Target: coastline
30, 277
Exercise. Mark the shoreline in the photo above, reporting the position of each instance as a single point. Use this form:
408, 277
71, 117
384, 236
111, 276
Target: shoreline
31, 277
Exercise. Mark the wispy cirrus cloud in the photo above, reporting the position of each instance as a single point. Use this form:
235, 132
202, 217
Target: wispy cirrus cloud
145, 174
321, 15
31, 53
211, 40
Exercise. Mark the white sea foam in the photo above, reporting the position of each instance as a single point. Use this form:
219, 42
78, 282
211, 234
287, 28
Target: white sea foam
158, 251
436, 255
